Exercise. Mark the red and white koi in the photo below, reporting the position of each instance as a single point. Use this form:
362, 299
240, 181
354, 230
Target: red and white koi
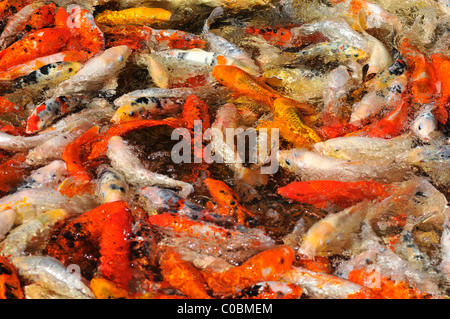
52, 109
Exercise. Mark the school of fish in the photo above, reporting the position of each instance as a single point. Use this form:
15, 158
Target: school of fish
349, 100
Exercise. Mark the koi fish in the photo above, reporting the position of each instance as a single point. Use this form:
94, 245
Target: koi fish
8, 7
41, 18
221, 46
359, 147
203, 58
86, 35
146, 107
183, 276
10, 287
17, 23
425, 124
243, 83
123, 160
101, 145
47, 75
31, 202
115, 246
112, 184
332, 51
50, 273
22, 143
34, 45
95, 72
269, 264
83, 235
322, 238
26, 68
21, 237
441, 66
321, 285
227, 201
312, 166
139, 16
52, 109
49, 175
325, 193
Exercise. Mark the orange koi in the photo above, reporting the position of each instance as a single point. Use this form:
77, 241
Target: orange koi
10, 287
115, 246
269, 264
280, 36
183, 276
72, 155
441, 66
86, 35
79, 241
9, 7
385, 288
227, 201
139, 16
101, 145
421, 78
337, 130
34, 45
393, 124
195, 110
322, 193
41, 18
243, 83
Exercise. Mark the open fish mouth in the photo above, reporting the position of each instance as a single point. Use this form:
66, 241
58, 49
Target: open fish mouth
218, 149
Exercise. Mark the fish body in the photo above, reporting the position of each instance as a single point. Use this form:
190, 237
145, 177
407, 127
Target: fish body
322, 193
113, 186
40, 43
17, 23
333, 51
146, 107
425, 124
138, 16
50, 273
50, 110
95, 72
441, 66
269, 264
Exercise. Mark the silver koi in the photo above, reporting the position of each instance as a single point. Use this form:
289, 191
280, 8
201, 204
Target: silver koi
49, 175
50, 273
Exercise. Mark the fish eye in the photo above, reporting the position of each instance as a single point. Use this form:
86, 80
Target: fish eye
356, 55
287, 161
420, 126
70, 69
131, 113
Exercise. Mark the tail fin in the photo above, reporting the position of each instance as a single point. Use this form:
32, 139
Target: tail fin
217, 12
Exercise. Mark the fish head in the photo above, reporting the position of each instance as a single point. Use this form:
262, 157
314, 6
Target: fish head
125, 113
290, 159
424, 125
